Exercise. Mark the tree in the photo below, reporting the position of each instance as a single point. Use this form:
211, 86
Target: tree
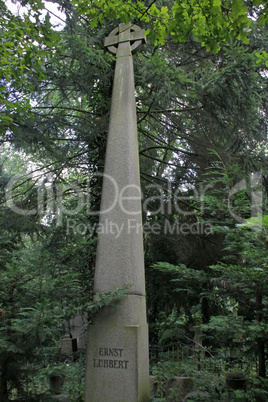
237, 281
209, 22
24, 39
202, 129
212, 23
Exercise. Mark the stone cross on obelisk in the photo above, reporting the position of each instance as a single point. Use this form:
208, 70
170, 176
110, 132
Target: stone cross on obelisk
117, 349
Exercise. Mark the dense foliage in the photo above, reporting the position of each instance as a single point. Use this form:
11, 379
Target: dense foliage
201, 91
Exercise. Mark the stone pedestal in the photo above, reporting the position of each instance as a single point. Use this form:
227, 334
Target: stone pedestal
117, 358
68, 346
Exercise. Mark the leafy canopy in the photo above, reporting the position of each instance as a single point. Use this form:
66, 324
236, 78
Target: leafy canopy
210, 22
24, 40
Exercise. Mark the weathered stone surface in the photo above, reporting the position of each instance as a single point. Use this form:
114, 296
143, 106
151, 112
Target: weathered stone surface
117, 352
68, 346
117, 357
77, 325
120, 258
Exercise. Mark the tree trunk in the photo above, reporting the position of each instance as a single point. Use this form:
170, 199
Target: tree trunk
205, 320
3, 381
205, 310
260, 341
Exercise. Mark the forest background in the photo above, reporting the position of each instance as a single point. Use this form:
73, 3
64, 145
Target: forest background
201, 96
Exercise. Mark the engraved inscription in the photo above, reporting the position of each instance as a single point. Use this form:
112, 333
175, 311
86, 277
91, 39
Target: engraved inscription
103, 362
110, 352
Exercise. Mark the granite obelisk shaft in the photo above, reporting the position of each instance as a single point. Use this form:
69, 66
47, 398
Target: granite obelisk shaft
117, 350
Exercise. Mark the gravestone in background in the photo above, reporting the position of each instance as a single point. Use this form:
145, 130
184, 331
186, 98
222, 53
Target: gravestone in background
117, 347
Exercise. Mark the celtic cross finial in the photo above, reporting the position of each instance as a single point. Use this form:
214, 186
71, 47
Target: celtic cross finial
125, 39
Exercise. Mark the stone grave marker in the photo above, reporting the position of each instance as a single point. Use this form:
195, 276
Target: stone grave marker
117, 367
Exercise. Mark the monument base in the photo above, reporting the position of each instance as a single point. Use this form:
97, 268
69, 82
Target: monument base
117, 355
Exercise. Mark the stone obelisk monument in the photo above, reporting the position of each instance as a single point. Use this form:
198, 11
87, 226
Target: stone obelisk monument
117, 349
